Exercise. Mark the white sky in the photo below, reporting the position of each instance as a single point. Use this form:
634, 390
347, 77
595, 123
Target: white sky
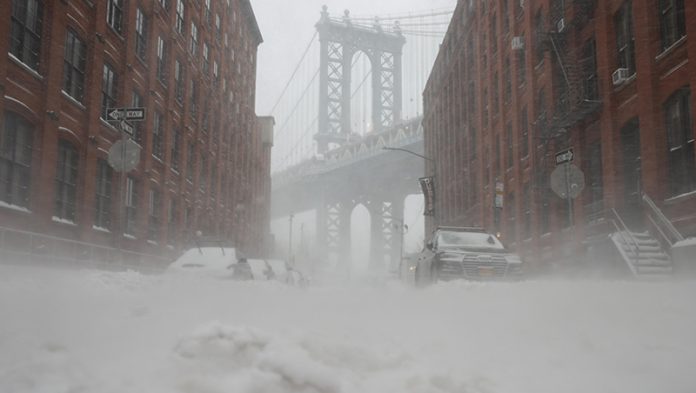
288, 25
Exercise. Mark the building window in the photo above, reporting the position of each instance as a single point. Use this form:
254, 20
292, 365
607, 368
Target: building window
161, 60
218, 30
680, 142
206, 115
102, 218
527, 212
202, 170
589, 67
539, 27
157, 135
176, 148
179, 81
625, 42
512, 218
66, 181
206, 59
172, 221
595, 204
131, 206
524, 132
16, 142
215, 70
672, 21
114, 14
521, 64
25, 38
207, 13
74, 67
506, 16
140, 34
194, 38
190, 161
109, 89
137, 102
180, 16
193, 102
153, 212
164, 4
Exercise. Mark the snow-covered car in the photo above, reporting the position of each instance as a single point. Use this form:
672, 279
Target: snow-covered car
206, 261
465, 253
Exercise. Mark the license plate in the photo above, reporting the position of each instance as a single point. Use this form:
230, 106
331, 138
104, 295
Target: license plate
485, 271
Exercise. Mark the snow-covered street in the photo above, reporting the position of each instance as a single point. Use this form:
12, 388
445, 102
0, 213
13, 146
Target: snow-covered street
67, 331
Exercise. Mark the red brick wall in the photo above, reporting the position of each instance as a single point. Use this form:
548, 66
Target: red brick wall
466, 175
226, 144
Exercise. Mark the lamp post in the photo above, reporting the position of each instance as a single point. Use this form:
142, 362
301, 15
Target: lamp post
409, 152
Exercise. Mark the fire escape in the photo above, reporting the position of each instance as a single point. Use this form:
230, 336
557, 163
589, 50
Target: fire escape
574, 67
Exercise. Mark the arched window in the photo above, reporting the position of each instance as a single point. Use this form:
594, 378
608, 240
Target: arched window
680, 142
16, 140
66, 182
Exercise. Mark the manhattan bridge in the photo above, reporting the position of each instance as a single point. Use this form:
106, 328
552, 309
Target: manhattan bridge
356, 90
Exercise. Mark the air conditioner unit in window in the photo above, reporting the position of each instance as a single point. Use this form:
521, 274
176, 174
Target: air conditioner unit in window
560, 25
517, 43
619, 76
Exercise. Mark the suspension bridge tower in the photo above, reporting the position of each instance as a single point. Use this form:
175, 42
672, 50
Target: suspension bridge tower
340, 40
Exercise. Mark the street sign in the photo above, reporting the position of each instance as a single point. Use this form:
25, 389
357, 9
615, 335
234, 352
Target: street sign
136, 114
567, 181
124, 155
126, 127
565, 156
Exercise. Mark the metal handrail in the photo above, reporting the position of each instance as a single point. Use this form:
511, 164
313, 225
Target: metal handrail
663, 220
625, 232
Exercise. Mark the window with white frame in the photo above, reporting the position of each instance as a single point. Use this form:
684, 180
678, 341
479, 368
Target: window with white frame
16, 147
25, 34
66, 181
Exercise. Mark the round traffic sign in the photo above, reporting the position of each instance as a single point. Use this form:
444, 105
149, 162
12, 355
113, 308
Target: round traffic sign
567, 181
124, 156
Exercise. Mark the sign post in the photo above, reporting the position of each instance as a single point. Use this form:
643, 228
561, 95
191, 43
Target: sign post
567, 180
124, 155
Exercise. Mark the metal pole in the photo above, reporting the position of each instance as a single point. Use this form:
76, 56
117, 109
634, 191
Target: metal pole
124, 194
569, 200
290, 241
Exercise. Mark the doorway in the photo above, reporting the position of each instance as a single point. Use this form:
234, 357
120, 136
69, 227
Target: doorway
631, 165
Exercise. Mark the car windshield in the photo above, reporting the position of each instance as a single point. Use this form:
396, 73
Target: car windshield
475, 240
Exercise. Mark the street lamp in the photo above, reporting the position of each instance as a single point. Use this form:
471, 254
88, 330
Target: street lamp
409, 152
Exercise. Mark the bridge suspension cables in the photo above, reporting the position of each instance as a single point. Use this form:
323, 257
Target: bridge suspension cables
296, 108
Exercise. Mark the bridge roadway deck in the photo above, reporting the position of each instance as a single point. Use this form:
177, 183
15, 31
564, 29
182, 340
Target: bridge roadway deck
378, 174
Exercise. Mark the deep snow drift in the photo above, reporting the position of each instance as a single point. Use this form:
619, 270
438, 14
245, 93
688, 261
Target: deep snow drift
85, 331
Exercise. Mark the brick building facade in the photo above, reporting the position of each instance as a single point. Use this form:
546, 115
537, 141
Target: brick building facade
191, 64
516, 82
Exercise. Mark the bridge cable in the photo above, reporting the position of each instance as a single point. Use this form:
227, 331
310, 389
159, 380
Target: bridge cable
295, 71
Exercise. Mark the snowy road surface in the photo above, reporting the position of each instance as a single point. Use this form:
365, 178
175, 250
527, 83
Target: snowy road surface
97, 332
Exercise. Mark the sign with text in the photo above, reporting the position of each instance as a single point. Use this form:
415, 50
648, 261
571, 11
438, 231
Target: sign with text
565, 156
136, 114
428, 188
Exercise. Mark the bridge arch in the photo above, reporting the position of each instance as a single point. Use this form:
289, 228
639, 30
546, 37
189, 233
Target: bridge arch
340, 40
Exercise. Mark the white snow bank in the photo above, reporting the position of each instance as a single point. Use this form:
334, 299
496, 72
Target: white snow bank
69, 331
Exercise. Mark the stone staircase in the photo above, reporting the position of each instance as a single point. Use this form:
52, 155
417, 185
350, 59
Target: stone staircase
643, 254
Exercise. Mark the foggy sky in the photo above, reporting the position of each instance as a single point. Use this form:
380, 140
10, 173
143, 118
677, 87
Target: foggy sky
288, 25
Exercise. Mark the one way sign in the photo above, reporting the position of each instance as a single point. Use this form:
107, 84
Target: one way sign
136, 114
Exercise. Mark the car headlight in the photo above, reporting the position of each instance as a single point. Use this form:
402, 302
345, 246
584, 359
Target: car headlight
513, 259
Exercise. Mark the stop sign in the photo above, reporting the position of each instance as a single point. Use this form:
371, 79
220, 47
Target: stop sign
124, 155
